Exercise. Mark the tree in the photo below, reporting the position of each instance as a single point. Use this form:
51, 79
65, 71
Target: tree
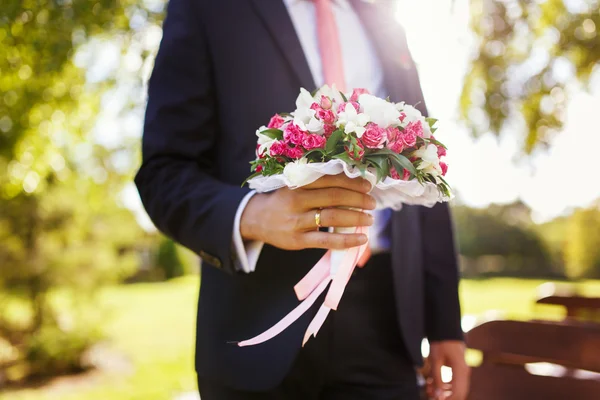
528, 54
63, 231
504, 235
582, 253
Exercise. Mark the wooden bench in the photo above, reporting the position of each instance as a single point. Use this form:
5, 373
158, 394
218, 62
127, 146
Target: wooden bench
508, 346
578, 308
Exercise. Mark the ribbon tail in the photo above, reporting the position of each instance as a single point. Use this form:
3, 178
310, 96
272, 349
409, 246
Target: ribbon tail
314, 277
288, 319
341, 278
316, 323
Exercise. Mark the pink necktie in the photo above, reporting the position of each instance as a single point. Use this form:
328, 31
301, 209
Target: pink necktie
332, 61
329, 45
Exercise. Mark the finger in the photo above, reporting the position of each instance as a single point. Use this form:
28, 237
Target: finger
335, 241
438, 384
336, 218
341, 181
336, 197
460, 382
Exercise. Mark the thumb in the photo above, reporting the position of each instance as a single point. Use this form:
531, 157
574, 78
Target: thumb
436, 376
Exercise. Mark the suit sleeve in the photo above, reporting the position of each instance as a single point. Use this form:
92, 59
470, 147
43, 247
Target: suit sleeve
442, 305
178, 181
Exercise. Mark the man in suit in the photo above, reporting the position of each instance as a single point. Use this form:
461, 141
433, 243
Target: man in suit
223, 68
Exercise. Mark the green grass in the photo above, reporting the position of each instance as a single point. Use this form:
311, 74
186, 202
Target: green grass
153, 326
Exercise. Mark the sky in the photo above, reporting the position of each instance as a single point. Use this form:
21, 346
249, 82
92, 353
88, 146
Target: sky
487, 170
482, 171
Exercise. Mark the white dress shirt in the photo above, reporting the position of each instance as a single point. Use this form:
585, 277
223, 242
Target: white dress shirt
362, 69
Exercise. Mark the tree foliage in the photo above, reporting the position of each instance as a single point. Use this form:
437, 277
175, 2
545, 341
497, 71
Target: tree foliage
503, 233
528, 54
63, 229
582, 252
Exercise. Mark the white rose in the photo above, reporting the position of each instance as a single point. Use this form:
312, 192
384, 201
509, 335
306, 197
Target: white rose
412, 114
306, 120
304, 99
426, 129
295, 171
429, 157
264, 141
380, 111
332, 92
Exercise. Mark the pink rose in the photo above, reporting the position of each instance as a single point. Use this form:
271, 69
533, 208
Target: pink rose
392, 134
402, 117
326, 103
441, 151
294, 152
358, 92
329, 129
293, 134
313, 142
342, 106
361, 152
415, 128
396, 146
276, 122
395, 175
409, 138
315, 106
259, 168
374, 136
444, 168
278, 148
327, 116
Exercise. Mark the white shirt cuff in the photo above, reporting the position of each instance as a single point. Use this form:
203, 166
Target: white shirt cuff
247, 252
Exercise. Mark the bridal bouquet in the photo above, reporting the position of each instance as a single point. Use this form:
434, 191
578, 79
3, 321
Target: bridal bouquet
358, 134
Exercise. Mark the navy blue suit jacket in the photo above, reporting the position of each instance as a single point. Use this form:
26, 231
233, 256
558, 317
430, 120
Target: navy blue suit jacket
223, 69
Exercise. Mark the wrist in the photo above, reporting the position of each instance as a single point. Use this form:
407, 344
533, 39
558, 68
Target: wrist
250, 222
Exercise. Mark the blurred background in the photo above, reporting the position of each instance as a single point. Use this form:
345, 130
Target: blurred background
95, 304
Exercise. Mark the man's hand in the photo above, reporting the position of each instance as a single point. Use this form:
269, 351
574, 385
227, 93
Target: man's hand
450, 353
286, 218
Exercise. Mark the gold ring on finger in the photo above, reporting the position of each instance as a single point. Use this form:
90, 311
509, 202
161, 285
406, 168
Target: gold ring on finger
318, 218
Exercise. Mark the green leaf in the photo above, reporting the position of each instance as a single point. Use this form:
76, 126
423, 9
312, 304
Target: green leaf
381, 163
431, 121
444, 181
285, 114
405, 162
437, 143
273, 133
343, 97
333, 141
362, 168
399, 159
444, 189
316, 152
345, 157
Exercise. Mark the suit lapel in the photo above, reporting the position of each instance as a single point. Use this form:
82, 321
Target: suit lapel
276, 19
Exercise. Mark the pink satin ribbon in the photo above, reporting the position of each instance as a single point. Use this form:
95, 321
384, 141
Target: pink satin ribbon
310, 288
